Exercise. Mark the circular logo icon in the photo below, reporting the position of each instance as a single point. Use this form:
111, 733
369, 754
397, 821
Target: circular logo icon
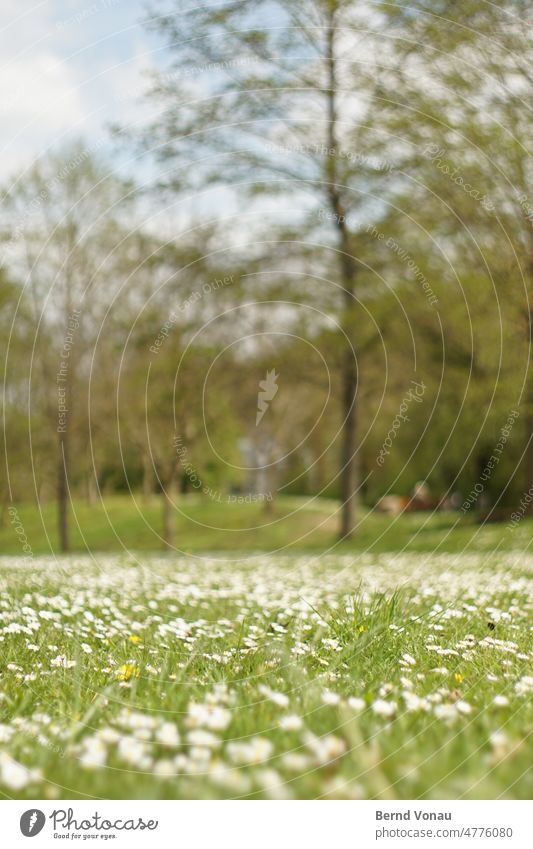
32, 822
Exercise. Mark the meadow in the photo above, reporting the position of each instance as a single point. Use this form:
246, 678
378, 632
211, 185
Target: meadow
260, 261
121, 523
349, 674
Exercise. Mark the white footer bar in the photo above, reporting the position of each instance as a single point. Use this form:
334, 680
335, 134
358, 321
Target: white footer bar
265, 825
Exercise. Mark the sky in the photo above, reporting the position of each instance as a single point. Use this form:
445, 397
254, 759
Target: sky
69, 68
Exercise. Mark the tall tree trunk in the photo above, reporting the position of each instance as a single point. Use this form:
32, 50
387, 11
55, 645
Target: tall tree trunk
62, 488
349, 456
169, 511
349, 375
65, 384
91, 487
148, 477
528, 427
528, 477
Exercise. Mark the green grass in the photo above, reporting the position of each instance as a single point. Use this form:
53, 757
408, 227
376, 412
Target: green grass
122, 523
98, 714
114, 667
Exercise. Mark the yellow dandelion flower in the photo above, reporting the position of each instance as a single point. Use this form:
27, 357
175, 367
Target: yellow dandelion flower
458, 677
127, 671
134, 639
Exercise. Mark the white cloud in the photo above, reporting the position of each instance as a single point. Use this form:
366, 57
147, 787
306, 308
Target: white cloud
41, 101
63, 77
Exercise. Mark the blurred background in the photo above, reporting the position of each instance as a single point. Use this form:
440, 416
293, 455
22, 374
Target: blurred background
266, 271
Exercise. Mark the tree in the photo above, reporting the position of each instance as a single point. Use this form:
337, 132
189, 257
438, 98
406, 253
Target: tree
280, 110
15, 329
154, 392
468, 154
63, 229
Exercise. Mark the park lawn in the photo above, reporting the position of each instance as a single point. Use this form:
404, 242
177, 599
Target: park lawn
353, 675
125, 523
